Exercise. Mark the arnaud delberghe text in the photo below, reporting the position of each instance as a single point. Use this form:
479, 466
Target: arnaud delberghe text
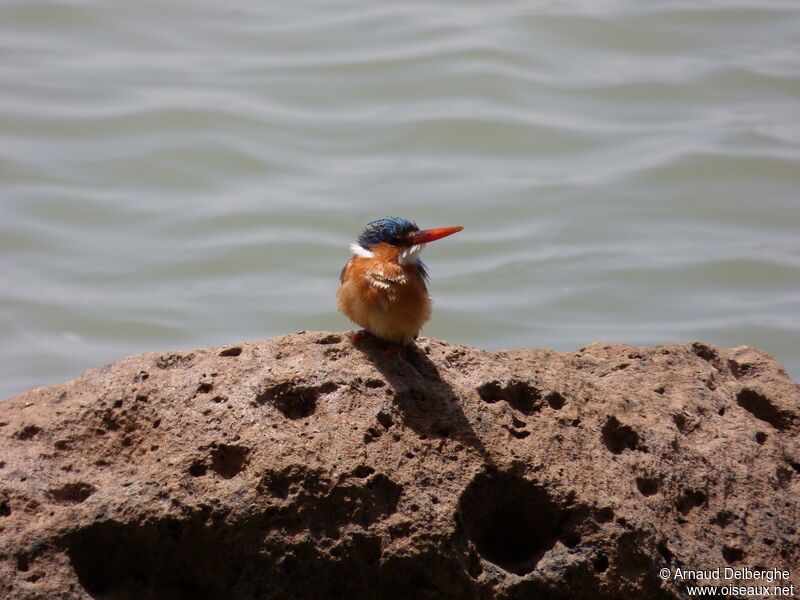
743, 574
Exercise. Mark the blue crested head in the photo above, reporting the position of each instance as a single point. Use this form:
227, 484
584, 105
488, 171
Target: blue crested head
391, 230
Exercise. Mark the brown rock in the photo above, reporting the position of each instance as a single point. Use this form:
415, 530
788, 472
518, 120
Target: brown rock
304, 467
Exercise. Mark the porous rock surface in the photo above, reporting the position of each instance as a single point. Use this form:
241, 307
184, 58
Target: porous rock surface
308, 467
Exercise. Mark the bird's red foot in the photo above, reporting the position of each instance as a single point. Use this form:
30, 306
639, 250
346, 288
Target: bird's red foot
357, 337
397, 349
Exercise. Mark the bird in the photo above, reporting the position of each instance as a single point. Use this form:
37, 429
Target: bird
384, 285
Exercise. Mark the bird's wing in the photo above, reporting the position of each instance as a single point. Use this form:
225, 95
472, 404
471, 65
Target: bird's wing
384, 276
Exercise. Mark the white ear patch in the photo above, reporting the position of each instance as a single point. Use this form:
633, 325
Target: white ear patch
410, 255
359, 250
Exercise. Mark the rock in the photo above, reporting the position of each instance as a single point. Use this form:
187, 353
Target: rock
305, 467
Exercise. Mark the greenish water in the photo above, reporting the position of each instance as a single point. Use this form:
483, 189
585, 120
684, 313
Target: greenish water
179, 174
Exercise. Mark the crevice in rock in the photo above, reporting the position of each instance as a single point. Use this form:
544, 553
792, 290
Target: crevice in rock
664, 551
519, 434
708, 354
761, 408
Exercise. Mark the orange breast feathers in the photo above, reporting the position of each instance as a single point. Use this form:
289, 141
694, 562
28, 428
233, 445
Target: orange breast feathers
386, 298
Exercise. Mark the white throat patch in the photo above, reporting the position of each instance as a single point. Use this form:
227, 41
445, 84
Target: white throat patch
410, 255
359, 250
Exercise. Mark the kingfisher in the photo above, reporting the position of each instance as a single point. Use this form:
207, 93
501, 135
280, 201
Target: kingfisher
383, 286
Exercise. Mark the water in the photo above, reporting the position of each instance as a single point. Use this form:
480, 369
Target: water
179, 174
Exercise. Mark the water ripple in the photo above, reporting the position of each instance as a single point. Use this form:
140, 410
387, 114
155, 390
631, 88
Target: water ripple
179, 174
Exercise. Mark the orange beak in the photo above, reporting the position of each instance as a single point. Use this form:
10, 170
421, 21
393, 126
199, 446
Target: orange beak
429, 235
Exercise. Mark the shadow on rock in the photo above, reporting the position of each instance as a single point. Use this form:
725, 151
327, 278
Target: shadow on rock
426, 401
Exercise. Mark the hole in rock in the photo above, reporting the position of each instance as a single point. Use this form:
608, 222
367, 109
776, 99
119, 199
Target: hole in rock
511, 521
229, 460
385, 419
556, 400
363, 499
740, 370
161, 560
605, 515
28, 432
23, 563
689, 500
681, 422
647, 486
72, 493
197, 469
664, 551
519, 395
618, 437
600, 563
190, 559
362, 471
174, 361
731, 554
232, 351
293, 399
724, 518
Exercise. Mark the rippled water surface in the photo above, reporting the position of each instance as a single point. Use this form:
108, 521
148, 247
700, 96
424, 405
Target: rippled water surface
179, 174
